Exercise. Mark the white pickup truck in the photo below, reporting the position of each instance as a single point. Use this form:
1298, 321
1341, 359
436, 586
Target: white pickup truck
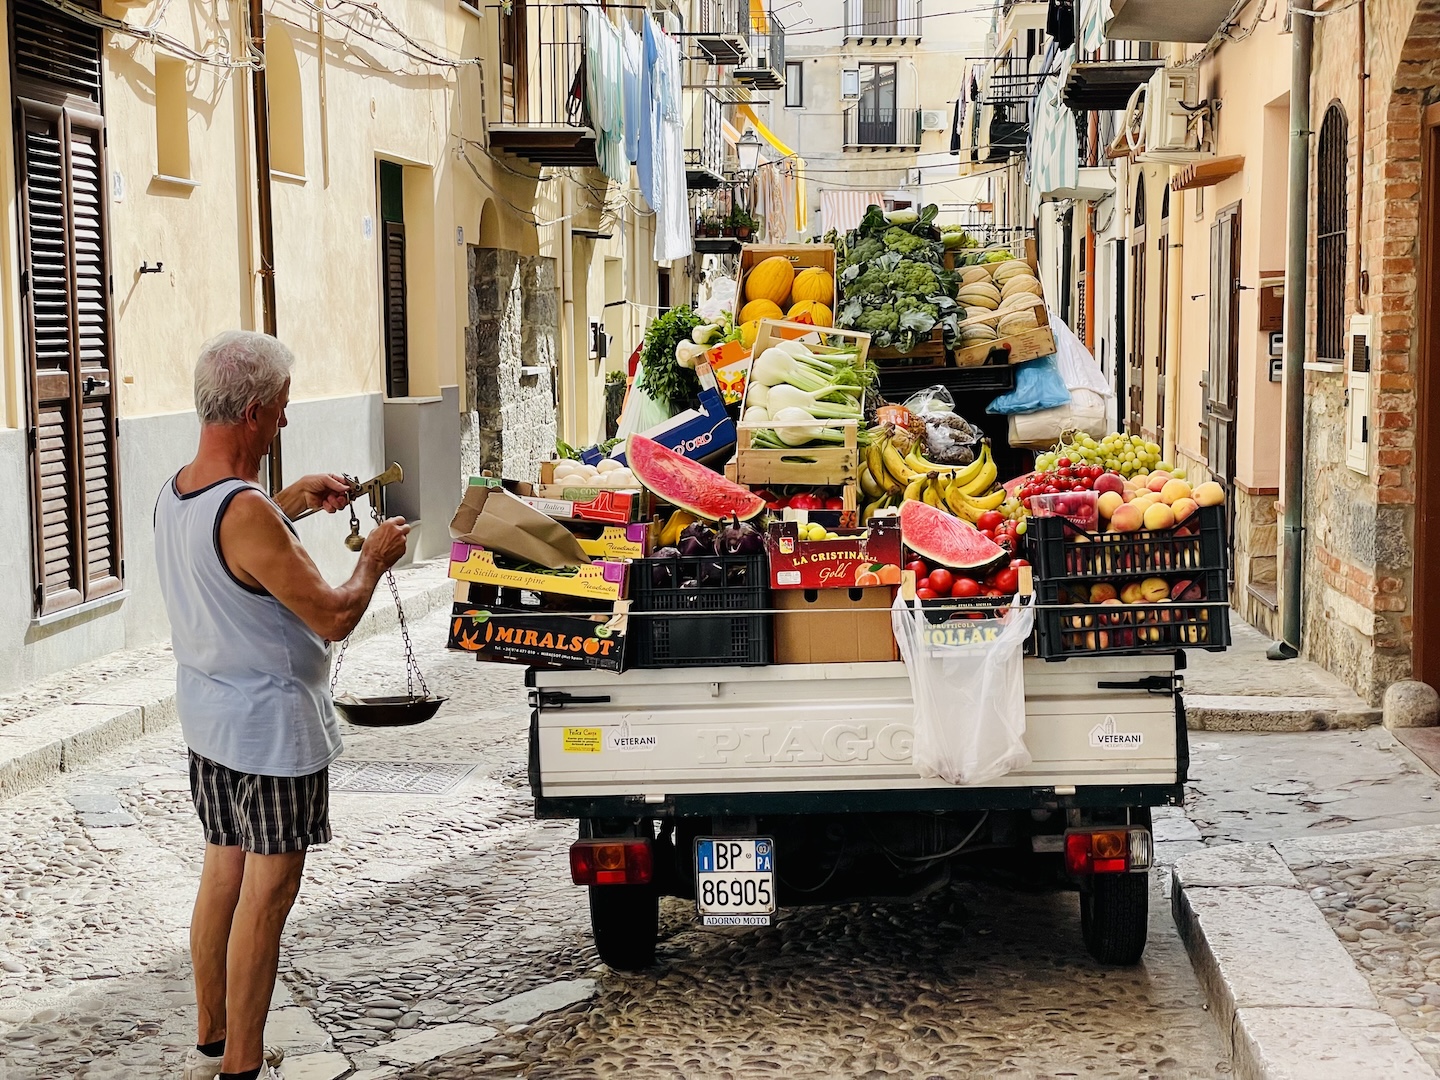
747, 789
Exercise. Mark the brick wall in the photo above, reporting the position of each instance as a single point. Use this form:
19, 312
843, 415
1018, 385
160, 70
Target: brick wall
1360, 528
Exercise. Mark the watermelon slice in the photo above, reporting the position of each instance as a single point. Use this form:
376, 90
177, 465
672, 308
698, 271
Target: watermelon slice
687, 484
944, 539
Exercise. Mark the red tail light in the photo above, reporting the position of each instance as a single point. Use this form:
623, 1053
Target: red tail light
611, 862
1107, 851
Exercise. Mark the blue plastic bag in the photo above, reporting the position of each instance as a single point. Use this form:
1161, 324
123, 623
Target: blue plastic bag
1038, 385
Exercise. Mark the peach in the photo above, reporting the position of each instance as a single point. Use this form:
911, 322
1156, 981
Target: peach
1155, 590
1157, 480
1102, 592
1109, 482
1209, 494
1132, 594
1159, 516
1183, 508
1173, 491
1108, 503
1127, 518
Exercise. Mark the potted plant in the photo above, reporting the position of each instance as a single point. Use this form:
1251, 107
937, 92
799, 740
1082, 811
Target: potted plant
743, 224
710, 224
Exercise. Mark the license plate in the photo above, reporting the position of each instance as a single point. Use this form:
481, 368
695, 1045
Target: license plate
735, 881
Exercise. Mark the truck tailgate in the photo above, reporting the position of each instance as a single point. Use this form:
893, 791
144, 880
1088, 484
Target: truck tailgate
658, 735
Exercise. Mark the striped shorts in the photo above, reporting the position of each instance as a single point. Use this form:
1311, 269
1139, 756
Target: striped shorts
269, 815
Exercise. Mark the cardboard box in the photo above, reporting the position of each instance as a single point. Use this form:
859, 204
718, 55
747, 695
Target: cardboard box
830, 564
632, 541
579, 504
801, 256
598, 581
511, 626
834, 626
696, 433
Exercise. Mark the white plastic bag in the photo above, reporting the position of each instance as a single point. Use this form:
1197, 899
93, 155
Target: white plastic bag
968, 684
641, 412
1086, 411
1078, 368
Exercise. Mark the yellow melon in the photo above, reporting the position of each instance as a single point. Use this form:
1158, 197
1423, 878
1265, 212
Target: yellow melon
749, 332
813, 283
761, 309
819, 314
770, 279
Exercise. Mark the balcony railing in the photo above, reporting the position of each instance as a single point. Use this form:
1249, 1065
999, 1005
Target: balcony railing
882, 20
722, 30
881, 128
704, 146
542, 114
765, 41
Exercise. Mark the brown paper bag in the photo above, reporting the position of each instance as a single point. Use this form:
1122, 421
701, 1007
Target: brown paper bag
498, 521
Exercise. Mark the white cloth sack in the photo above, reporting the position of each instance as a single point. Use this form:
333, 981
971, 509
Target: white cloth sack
1090, 396
968, 683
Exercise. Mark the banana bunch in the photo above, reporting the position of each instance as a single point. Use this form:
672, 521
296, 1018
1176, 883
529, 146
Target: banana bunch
889, 476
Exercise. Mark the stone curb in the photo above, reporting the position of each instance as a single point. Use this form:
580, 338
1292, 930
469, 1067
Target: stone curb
1291, 1002
1217, 712
63, 738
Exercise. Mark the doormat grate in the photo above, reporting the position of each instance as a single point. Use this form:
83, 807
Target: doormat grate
398, 777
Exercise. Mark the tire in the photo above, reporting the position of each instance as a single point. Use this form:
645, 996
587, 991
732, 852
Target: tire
1115, 917
625, 921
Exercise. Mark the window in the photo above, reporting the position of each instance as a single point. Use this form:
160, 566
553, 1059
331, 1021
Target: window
65, 285
794, 84
392, 284
172, 119
877, 105
1330, 239
287, 119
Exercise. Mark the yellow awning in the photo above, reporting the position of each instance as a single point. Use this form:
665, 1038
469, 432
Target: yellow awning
758, 19
802, 210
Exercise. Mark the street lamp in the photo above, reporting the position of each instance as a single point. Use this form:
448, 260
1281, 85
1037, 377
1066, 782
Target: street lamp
747, 152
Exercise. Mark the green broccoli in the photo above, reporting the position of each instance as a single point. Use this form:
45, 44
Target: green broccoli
906, 243
864, 251
875, 319
916, 278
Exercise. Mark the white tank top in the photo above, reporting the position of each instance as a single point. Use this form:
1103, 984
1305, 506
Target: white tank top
253, 687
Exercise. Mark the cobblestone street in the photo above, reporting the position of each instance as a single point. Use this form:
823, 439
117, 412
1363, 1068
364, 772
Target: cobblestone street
439, 937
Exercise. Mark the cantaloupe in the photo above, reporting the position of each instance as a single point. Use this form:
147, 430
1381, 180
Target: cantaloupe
761, 309
813, 283
819, 314
770, 279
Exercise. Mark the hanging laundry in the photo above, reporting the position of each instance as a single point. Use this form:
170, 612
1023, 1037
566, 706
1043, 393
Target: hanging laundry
634, 55
672, 215
645, 143
605, 97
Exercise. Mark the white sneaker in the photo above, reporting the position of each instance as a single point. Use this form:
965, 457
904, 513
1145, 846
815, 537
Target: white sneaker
200, 1067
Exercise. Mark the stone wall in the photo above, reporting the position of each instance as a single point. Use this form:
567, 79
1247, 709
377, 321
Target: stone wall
511, 359
1359, 539
1255, 533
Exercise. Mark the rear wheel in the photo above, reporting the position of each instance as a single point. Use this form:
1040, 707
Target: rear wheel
625, 920
1115, 917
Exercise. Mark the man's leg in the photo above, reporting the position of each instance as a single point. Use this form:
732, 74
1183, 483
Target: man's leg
215, 902
267, 893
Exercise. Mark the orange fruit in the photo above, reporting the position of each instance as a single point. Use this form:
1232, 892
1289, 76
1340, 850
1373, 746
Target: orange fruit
889, 574
867, 577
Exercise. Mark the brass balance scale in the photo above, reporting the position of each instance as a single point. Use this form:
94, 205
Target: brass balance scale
393, 710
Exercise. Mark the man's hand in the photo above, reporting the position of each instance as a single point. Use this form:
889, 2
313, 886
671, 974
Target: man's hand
317, 491
386, 543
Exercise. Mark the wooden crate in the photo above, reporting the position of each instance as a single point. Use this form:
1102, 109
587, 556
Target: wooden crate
1012, 348
801, 256
811, 466
931, 350
773, 330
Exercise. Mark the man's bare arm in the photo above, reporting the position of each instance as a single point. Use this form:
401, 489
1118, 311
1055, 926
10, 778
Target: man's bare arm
261, 551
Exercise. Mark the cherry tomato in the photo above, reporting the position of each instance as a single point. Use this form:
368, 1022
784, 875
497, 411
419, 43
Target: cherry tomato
1064, 463
918, 568
964, 588
1006, 580
927, 594
990, 520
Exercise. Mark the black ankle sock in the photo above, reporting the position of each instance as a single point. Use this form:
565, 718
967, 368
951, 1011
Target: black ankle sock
213, 1049
248, 1074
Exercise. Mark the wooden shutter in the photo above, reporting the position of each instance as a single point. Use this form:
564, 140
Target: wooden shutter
1219, 384
1161, 357
66, 296
397, 358
1135, 382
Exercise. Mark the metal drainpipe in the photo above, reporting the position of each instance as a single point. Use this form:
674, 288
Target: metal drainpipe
1302, 28
1174, 316
261, 94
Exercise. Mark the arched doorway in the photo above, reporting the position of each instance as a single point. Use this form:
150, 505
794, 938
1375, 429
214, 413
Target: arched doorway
489, 225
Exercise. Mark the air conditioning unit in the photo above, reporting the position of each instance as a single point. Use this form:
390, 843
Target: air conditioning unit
1357, 394
933, 120
1167, 124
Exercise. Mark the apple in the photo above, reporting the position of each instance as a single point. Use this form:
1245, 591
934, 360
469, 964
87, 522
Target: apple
1173, 491
1132, 594
1127, 518
1101, 592
1157, 480
1159, 516
1109, 482
1108, 503
1183, 508
1155, 590
1209, 494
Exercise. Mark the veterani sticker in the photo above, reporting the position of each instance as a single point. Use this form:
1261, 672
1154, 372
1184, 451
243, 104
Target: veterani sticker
582, 740
628, 741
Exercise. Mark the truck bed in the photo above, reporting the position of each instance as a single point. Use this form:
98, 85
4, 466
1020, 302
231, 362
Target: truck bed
836, 738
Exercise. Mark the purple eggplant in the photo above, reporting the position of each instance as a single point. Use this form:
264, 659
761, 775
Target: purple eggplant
662, 573
697, 538
738, 537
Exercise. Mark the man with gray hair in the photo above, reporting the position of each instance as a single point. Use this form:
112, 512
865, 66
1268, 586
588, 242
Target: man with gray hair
252, 621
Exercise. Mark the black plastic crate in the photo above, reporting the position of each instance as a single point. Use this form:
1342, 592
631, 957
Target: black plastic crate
1062, 553
1128, 629
699, 590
